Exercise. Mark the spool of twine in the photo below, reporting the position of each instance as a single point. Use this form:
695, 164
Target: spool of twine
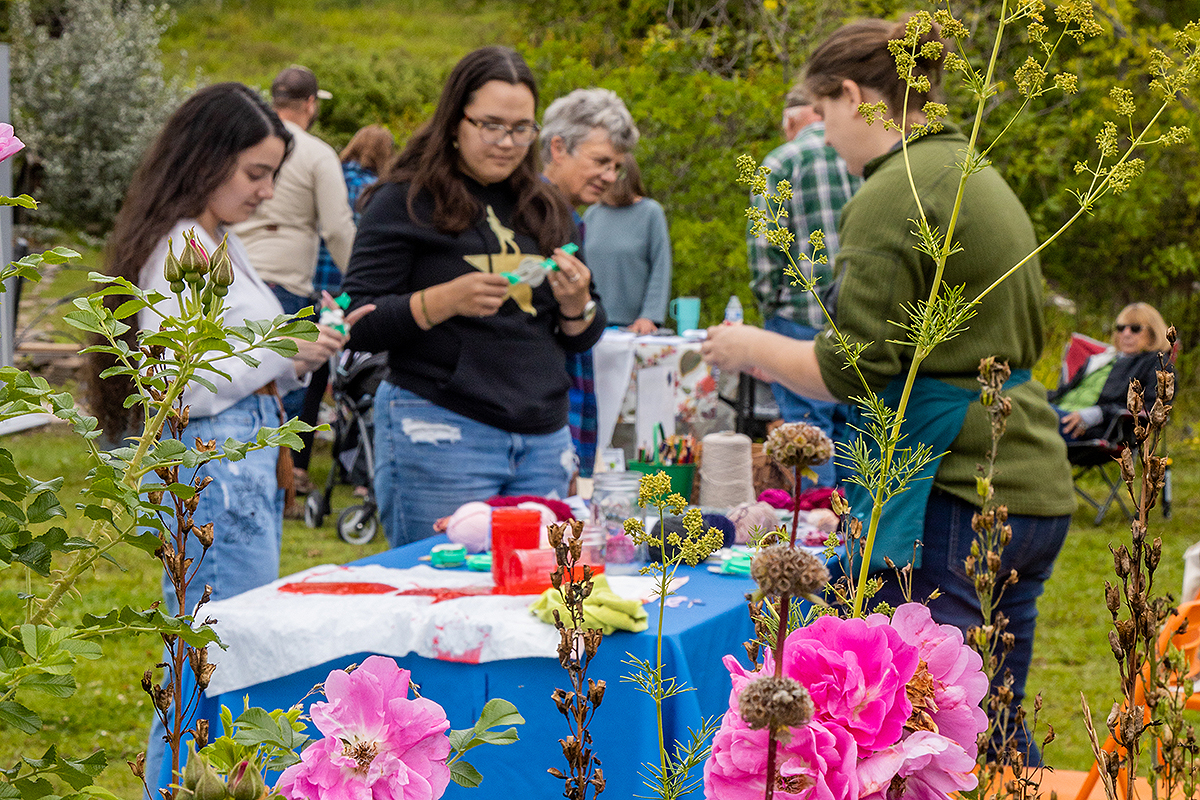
726, 470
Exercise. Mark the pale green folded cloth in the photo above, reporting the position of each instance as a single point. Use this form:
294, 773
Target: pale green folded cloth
603, 609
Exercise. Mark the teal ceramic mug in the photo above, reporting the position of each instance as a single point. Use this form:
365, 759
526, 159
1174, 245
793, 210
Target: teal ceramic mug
686, 313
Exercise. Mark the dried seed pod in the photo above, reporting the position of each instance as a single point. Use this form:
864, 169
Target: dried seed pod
1112, 599
1158, 413
775, 703
1126, 462
1133, 397
798, 445
781, 569
201, 734
1166, 385
595, 692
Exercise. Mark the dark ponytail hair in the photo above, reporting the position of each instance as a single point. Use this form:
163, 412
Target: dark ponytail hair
194, 153
429, 162
859, 52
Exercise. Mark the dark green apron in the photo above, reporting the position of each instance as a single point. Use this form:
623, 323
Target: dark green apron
935, 415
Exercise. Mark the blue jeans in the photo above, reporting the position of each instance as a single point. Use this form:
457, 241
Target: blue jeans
245, 506
948, 538
429, 461
293, 401
798, 408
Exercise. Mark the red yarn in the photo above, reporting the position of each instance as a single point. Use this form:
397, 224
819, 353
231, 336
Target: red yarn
562, 511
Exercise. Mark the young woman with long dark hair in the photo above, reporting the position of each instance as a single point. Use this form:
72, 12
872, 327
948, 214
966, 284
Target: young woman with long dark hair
475, 401
211, 165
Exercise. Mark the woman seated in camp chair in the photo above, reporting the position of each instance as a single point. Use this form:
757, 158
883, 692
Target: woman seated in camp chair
1096, 394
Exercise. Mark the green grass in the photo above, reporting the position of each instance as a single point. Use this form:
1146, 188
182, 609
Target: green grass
252, 40
44, 303
1071, 653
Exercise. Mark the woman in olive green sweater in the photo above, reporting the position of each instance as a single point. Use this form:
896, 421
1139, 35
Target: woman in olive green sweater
881, 277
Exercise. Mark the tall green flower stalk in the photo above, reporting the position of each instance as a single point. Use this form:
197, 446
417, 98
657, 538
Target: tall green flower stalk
671, 777
946, 312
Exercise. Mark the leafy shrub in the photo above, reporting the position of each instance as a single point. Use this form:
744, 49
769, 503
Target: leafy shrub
88, 95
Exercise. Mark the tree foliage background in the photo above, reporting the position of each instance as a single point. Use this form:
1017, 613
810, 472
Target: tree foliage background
89, 94
703, 78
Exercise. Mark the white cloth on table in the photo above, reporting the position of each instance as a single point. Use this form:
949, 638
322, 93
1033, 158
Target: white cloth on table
685, 390
271, 632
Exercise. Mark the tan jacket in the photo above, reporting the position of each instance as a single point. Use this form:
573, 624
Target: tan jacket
310, 203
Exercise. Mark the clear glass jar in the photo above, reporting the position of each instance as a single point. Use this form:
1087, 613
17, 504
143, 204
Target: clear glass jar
614, 500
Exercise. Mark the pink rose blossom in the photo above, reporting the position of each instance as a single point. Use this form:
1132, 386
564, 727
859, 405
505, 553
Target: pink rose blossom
817, 760
929, 766
856, 674
378, 744
959, 684
9, 144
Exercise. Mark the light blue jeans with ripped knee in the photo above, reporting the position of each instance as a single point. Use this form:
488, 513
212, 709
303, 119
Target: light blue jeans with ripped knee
429, 461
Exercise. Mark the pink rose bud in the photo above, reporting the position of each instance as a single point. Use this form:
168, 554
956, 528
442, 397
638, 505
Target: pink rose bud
247, 784
172, 271
9, 144
194, 259
222, 267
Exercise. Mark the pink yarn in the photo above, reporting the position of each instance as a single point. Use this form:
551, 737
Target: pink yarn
471, 525
817, 497
776, 498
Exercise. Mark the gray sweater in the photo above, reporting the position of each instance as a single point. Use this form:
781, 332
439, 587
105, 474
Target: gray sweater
628, 251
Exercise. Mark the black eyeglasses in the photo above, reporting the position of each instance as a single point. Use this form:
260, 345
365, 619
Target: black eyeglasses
523, 135
1132, 328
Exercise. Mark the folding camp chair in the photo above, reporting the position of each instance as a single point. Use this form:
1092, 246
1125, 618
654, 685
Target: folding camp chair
1096, 456
1099, 456
1181, 631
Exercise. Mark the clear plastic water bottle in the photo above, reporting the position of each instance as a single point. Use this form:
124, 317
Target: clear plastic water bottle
733, 309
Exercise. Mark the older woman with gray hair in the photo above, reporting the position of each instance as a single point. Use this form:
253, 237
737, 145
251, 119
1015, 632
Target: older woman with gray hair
585, 135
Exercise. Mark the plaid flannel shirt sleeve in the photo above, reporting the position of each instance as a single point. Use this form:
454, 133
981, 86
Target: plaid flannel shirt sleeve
820, 187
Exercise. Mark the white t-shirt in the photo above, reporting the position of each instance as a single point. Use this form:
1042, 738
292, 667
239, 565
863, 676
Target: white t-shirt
248, 299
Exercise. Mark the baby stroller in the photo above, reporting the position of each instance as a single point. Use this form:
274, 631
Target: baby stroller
356, 377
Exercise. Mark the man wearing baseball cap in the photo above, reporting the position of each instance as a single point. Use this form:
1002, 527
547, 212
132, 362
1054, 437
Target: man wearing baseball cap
310, 203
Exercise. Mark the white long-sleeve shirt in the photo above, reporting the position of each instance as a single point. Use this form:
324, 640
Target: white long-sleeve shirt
249, 298
310, 203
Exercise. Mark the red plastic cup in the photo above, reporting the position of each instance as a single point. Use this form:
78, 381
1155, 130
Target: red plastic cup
512, 529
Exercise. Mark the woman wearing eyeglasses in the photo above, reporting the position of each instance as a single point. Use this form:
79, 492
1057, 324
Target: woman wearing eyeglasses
1097, 393
452, 249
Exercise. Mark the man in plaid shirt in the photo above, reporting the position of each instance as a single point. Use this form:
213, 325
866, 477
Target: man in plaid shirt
820, 187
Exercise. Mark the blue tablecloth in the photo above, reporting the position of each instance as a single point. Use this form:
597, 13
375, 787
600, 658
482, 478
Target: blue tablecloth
696, 637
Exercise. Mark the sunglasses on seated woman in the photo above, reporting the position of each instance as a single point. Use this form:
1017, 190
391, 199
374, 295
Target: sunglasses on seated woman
1134, 328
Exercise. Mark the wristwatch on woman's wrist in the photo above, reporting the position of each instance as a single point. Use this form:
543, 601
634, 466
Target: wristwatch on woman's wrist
589, 313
